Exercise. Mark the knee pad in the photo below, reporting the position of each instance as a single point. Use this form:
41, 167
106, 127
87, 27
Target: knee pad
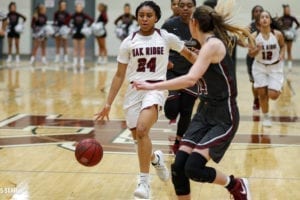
196, 170
171, 107
180, 181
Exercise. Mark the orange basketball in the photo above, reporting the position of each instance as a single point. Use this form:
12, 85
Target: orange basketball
89, 152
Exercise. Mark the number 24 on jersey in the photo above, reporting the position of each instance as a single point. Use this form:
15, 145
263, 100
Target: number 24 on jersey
144, 65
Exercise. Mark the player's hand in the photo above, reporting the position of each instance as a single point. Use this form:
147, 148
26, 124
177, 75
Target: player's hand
142, 85
104, 113
170, 65
259, 46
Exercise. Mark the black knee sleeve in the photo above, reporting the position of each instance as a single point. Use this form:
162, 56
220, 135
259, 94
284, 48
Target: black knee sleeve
171, 107
196, 170
180, 181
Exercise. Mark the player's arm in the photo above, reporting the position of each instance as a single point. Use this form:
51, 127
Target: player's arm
89, 18
253, 50
281, 43
3, 28
23, 17
189, 55
114, 89
208, 54
297, 23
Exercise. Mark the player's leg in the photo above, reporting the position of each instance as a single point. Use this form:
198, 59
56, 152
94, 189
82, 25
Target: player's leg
65, 47
249, 62
43, 47
261, 82
10, 41
75, 52
289, 54
82, 53
99, 61
146, 119
57, 48
171, 107
103, 50
213, 145
179, 179
197, 170
196, 131
276, 80
17, 46
186, 105
36, 44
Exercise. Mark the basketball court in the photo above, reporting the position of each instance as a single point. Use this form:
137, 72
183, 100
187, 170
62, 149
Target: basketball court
46, 110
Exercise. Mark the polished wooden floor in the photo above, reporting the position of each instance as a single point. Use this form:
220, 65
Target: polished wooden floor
44, 110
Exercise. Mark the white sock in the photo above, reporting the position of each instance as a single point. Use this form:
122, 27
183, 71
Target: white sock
144, 178
266, 115
227, 181
155, 160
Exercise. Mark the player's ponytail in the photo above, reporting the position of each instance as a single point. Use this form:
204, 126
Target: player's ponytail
219, 21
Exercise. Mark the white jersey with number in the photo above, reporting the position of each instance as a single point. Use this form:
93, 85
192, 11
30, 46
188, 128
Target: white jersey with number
147, 58
270, 52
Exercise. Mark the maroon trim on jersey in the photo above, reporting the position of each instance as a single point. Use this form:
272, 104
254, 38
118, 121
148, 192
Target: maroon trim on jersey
134, 34
150, 81
158, 31
155, 30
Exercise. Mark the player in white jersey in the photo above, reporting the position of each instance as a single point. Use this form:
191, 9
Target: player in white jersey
267, 67
144, 56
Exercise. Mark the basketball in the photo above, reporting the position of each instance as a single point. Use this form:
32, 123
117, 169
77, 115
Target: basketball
89, 152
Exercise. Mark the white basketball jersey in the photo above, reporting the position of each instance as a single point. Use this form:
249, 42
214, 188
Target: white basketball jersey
270, 52
148, 56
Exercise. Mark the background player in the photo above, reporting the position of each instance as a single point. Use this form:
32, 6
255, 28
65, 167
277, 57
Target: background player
13, 20
144, 55
287, 22
267, 67
254, 26
174, 8
61, 18
215, 124
181, 102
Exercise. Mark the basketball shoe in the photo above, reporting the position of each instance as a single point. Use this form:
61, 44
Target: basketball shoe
160, 167
142, 191
240, 191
